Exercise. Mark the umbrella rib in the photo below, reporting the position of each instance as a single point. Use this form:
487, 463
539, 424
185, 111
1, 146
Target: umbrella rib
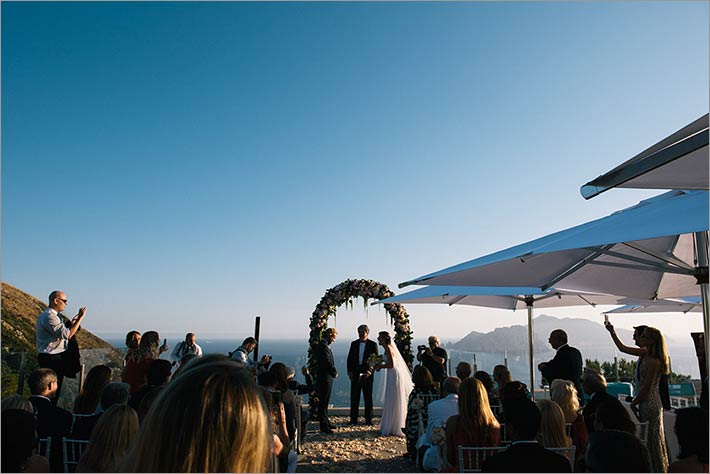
670, 259
650, 268
669, 267
577, 266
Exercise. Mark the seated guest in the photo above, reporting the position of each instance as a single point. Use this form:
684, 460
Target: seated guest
525, 454
299, 389
417, 407
88, 399
594, 385
137, 361
514, 390
564, 393
501, 376
489, 385
611, 415
553, 433
616, 451
211, 418
110, 440
157, 375
17, 402
115, 393
691, 428
463, 370
52, 421
438, 412
145, 404
19, 439
474, 426
280, 383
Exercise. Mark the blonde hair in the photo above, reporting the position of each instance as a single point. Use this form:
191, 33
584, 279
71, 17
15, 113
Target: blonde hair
110, 439
657, 349
475, 415
553, 433
564, 394
330, 331
211, 418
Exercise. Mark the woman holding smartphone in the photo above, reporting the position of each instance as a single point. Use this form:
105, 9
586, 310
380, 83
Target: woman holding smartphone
137, 361
652, 362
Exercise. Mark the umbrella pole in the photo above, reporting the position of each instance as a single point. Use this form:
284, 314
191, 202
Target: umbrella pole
529, 303
701, 245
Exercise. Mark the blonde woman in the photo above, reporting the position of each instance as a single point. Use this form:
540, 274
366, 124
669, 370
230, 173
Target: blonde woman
211, 418
475, 425
553, 433
652, 362
113, 435
564, 393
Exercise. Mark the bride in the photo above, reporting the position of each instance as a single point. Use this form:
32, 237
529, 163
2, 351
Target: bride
397, 385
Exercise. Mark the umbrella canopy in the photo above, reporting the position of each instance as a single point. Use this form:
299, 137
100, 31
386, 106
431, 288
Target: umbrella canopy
645, 251
679, 161
681, 305
508, 298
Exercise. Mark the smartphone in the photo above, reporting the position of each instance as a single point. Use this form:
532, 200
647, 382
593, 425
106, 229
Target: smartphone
606, 319
165, 342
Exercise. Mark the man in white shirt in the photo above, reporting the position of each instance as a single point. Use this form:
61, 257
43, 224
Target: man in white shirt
188, 346
52, 335
439, 411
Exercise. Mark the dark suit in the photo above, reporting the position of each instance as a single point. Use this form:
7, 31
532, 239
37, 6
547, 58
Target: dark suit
358, 383
325, 374
566, 365
591, 407
52, 422
526, 457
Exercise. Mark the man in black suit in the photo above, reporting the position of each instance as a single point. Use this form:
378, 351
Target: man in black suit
360, 374
594, 385
52, 421
325, 374
525, 454
567, 363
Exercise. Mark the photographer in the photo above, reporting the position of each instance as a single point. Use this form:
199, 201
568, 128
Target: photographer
433, 358
241, 355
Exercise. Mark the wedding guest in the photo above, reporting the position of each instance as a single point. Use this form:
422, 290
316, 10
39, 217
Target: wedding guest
110, 440
157, 376
115, 393
360, 374
52, 421
137, 362
19, 439
616, 451
514, 390
524, 454
439, 411
417, 407
567, 363
17, 402
241, 355
188, 346
299, 388
564, 393
474, 425
501, 376
553, 433
463, 370
489, 385
611, 415
691, 429
52, 336
653, 361
324, 377
663, 389
211, 418
288, 399
434, 358
88, 399
133, 340
594, 385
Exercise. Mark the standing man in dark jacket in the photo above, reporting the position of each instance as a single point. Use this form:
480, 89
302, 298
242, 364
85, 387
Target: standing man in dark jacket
360, 374
567, 363
324, 377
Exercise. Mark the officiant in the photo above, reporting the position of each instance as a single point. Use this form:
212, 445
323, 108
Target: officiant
360, 374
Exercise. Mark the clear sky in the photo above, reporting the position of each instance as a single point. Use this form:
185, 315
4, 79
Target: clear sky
186, 166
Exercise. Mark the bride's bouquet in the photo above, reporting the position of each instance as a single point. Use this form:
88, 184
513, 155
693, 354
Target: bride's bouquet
374, 361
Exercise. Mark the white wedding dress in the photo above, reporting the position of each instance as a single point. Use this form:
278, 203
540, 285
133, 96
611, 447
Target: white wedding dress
394, 393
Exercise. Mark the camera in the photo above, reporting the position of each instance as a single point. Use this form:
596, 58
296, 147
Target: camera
422, 348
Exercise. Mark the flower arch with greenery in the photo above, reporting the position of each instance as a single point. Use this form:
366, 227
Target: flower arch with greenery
345, 293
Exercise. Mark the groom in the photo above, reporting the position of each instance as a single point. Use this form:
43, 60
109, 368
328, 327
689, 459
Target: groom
360, 374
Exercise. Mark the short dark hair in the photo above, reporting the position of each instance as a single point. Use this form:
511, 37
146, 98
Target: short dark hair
54, 294
560, 334
616, 451
465, 369
115, 393
451, 385
158, 372
485, 379
40, 379
612, 415
524, 416
249, 340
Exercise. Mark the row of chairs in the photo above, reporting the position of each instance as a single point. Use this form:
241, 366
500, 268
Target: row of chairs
72, 449
471, 459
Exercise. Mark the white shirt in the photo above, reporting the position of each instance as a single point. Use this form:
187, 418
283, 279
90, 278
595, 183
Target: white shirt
361, 354
183, 349
51, 335
441, 410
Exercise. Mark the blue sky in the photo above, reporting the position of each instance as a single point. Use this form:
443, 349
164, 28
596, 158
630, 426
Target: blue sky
186, 166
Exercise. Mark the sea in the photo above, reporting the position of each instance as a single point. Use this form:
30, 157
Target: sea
294, 353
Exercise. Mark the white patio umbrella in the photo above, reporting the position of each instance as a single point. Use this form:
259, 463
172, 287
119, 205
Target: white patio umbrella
681, 305
679, 161
507, 298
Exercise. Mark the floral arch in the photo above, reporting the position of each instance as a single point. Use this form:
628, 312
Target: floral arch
344, 293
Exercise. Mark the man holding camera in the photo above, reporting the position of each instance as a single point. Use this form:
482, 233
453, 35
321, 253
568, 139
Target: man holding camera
241, 355
433, 358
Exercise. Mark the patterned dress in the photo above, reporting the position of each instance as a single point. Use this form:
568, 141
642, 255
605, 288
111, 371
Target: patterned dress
416, 412
651, 410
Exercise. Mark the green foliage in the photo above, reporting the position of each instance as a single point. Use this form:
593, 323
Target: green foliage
627, 371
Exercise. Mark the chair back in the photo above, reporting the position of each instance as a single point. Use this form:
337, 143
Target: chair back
77, 416
568, 430
72, 449
642, 431
567, 453
44, 447
471, 459
496, 409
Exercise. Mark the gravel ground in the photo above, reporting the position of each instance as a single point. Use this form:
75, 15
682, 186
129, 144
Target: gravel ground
357, 448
